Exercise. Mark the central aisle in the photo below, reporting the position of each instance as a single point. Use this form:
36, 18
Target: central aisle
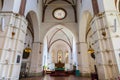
47, 77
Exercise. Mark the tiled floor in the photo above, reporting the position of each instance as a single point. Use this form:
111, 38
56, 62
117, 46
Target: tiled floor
47, 77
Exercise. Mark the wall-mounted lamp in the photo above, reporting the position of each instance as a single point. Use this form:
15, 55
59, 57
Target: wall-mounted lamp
40, 47
26, 52
110, 62
104, 33
91, 51
2, 24
13, 32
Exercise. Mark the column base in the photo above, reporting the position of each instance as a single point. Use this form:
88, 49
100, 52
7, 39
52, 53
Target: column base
9, 78
85, 74
35, 74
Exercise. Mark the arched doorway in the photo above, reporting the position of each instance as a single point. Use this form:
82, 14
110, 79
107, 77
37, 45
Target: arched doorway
59, 46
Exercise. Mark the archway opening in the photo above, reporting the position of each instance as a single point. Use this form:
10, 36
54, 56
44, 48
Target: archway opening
31, 36
59, 48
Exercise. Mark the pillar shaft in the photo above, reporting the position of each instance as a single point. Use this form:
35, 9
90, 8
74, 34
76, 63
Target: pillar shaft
102, 41
83, 60
36, 59
12, 39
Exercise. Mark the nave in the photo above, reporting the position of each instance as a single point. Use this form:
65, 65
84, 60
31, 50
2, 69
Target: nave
79, 35
47, 77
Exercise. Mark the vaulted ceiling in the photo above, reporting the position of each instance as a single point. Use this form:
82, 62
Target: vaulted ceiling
70, 2
59, 35
47, 3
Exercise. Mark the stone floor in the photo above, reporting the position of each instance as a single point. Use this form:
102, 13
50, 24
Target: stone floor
47, 77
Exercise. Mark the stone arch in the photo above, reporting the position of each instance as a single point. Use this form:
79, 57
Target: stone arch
84, 28
6, 3
34, 22
1, 4
64, 38
84, 25
115, 1
59, 26
54, 1
64, 30
117, 5
34, 29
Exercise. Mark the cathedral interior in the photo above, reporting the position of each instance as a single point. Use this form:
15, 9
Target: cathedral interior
65, 39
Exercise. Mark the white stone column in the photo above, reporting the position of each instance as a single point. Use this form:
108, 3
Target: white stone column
83, 60
36, 59
113, 23
78, 56
12, 40
103, 46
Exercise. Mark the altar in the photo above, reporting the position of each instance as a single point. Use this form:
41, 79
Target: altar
59, 70
59, 66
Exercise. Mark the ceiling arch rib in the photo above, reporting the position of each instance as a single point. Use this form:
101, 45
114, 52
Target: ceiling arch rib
30, 25
67, 37
55, 33
59, 37
72, 2
60, 40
